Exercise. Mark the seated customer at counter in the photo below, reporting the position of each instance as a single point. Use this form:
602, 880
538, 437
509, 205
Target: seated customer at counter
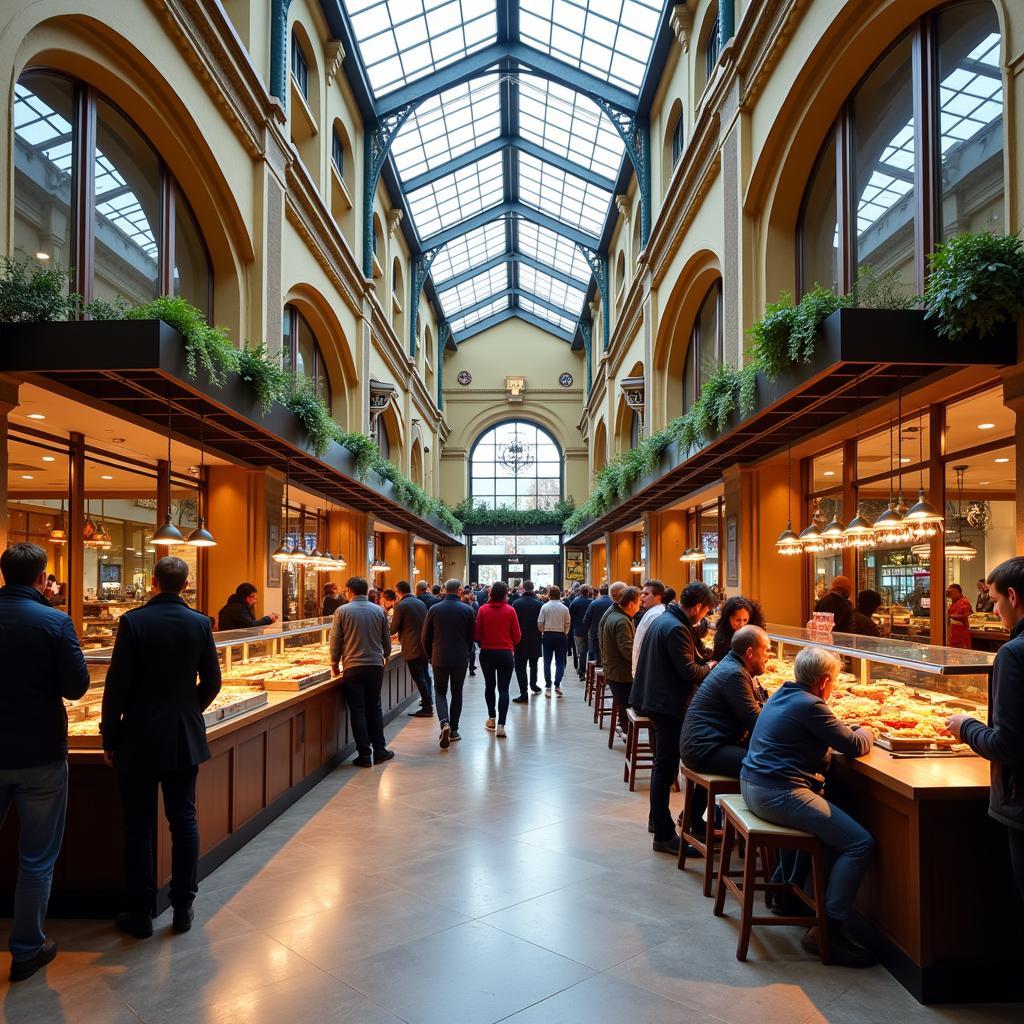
238, 612
862, 624
837, 601
783, 781
736, 613
1002, 742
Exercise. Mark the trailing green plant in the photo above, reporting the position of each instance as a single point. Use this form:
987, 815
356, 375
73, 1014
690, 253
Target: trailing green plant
771, 333
747, 394
885, 290
31, 293
976, 282
301, 399
362, 447
507, 518
263, 373
205, 346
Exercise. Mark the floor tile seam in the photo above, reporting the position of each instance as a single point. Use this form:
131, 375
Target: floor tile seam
662, 995
552, 995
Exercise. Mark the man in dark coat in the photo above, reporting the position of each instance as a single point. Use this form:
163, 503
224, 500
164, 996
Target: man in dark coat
407, 625
527, 653
423, 594
837, 601
672, 664
1002, 742
155, 737
577, 613
239, 611
333, 599
448, 640
42, 666
592, 620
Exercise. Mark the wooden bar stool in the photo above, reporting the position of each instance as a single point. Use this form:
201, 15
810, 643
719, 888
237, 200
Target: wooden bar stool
639, 754
716, 785
614, 726
760, 838
603, 700
588, 688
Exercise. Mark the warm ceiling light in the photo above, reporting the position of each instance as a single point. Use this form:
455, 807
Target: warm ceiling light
27, 476
904, 459
106, 477
984, 483
36, 416
829, 472
1002, 460
985, 426
44, 256
168, 534
49, 458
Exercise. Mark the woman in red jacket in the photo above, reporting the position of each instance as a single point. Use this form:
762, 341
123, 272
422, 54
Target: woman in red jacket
497, 633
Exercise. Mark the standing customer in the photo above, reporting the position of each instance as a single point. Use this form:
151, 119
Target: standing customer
862, 623
497, 631
592, 619
407, 624
333, 600
528, 648
837, 601
42, 665
554, 624
361, 642
469, 600
616, 641
239, 612
448, 641
672, 665
1002, 742
155, 736
423, 594
577, 613
652, 601
959, 615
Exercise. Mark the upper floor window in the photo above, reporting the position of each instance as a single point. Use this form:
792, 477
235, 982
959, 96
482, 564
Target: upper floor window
713, 47
516, 464
678, 138
301, 354
135, 237
704, 355
902, 195
338, 153
300, 68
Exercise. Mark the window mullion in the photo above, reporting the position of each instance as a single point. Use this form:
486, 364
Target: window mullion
85, 189
927, 159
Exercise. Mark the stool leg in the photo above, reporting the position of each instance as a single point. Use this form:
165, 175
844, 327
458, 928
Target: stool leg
685, 821
818, 877
747, 911
724, 867
611, 730
709, 842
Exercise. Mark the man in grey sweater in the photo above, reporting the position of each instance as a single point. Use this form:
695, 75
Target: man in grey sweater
361, 643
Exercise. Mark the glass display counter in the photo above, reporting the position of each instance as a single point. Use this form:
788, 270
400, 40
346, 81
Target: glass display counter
904, 691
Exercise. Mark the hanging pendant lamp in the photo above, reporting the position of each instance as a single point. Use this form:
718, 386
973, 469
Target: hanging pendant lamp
59, 533
103, 539
888, 527
788, 542
201, 537
90, 534
859, 533
960, 549
833, 536
923, 519
283, 552
168, 534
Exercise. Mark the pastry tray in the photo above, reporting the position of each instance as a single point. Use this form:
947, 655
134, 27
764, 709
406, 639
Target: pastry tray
270, 683
214, 716
888, 742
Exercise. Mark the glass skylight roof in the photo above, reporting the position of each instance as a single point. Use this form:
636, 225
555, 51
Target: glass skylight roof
469, 250
556, 250
564, 322
544, 286
458, 195
608, 38
476, 289
41, 128
497, 306
562, 195
401, 41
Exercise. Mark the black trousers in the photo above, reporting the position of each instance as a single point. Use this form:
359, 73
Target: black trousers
620, 691
1016, 837
456, 677
665, 771
497, 668
138, 804
361, 685
726, 760
420, 672
523, 662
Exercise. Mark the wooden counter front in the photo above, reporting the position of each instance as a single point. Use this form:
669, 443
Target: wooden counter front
939, 903
260, 764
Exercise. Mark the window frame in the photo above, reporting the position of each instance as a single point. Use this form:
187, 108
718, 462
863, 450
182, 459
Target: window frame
544, 434
695, 349
338, 153
289, 353
299, 66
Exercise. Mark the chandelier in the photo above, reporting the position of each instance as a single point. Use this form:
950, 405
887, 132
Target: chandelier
515, 455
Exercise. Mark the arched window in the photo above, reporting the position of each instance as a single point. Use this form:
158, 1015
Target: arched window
704, 355
138, 237
338, 153
301, 354
300, 66
903, 194
517, 464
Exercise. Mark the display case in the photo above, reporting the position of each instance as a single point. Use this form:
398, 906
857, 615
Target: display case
286, 656
904, 691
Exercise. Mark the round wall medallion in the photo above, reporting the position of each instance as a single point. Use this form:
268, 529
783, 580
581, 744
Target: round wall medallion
465, 377
565, 380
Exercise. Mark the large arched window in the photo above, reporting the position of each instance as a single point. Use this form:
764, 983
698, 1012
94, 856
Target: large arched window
301, 354
109, 209
941, 81
517, 464
704, 355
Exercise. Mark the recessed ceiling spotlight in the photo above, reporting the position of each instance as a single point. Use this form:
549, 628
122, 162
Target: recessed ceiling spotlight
986, 426
36, 416
984, 483
829, 472
27, 476
117, 440
904, 459
49, 458
1003, 459
106, 477
44, 256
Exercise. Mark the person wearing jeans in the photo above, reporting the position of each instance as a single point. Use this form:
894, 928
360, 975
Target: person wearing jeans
554, 623
577, 613
497, 631
407, 624
782, 780
528, 648
42, 666
616, 645
447, 638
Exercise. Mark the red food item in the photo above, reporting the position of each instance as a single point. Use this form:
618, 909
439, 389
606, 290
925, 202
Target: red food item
900, 723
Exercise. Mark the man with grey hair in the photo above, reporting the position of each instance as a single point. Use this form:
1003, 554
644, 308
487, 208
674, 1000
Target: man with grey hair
447, 638
783, 781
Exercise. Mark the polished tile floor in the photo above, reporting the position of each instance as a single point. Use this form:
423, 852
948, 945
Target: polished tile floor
502, 880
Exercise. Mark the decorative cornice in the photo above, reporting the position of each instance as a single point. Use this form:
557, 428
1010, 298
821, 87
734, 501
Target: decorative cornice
394, 219
681, 23
623, 206
762, 46
334, 57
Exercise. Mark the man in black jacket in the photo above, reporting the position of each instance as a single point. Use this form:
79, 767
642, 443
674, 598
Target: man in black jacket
592, 619
527, 652
1002, 742
423, 594
577, 613
239, 612
407, 625
672, 664
42, 665
155, 736
837, 601
448, 640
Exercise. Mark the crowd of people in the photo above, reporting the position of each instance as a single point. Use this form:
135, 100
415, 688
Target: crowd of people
706, 707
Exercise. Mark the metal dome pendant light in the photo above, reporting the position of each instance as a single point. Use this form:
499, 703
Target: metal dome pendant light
283, 552
888, 527
923, 519
788, 542
858, 534
960, 549
811, 542
833, 536
201, 537
167, 534
59, 533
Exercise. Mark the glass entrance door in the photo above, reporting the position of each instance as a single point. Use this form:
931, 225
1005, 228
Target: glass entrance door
488, 572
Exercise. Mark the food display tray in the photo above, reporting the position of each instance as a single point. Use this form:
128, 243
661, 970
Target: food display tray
887, 742
214, 716
270, 683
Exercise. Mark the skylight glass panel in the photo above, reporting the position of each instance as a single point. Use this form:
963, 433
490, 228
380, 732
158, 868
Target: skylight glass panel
401, 41
570, 125
497, 306
449, 125
475, 290
544, 286
42, 129
562, 195
557, 251
459, 195
529, 306
971, 97
469, 250
608, 38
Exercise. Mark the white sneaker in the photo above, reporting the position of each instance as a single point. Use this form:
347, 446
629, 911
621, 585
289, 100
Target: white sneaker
489, 724
547, 692
500, 731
